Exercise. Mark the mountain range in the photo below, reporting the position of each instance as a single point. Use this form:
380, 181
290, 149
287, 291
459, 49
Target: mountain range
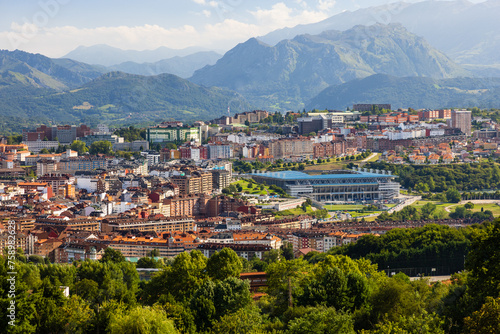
469, 33
329, 70
42, 72
293, 71
35, 89
104, 58
414, 92
183, 67
106, 55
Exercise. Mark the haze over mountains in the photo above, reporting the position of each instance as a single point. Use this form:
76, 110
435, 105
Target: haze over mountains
293, 71
106, 55
35, 89
316, 69
415, 92
181, 66
468, 33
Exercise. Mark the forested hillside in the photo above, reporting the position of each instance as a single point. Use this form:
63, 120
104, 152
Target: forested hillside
438, 178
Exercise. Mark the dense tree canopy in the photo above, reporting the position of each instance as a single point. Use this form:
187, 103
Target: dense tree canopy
439, 178
101, 147
338, 292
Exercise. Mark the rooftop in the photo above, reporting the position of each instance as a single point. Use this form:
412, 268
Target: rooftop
293, 175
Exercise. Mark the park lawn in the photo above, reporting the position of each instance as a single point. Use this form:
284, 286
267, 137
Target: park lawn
375, 158
343, 207
255, 190
440, 211
360, 214
371, 219
494, 208
294, 212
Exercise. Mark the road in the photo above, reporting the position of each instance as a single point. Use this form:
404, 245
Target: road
369, 157
408, 201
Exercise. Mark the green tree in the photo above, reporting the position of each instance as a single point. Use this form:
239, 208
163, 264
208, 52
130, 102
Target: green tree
180, 280
271, 256
101, 147
243, 321
469, 205
460, 212
485, 320
79, 146
283, 277
88, 290
427, 210
119, 281
322, 320
483, 262
113, 255
149, 262
424, 323
453, 195
140, 320
287, 251
213, 300
223, 264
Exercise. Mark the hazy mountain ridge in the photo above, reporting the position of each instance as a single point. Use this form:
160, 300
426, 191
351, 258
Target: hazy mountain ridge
469, 33
293, 71
42, 72
183, 67
30, 96
106, 55
415, 92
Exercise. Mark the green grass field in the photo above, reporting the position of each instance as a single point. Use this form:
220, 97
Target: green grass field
344, 207
255, 190
494, 208
294, 212
360, 214
440, 212
375, 158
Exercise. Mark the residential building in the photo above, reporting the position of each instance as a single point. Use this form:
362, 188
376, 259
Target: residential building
291, 148
244, 251
158, 225
168, 133
461, 119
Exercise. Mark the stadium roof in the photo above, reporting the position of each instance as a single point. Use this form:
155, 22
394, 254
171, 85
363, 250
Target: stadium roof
293, 175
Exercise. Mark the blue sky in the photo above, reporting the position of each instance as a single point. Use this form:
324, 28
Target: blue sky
55, 27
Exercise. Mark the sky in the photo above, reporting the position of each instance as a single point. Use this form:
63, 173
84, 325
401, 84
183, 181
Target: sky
55, 27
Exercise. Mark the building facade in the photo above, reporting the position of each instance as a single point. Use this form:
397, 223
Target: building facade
346, 186
461, 119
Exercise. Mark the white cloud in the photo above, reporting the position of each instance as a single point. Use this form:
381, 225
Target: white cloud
57, 41
206, 3
325, 5
280, 15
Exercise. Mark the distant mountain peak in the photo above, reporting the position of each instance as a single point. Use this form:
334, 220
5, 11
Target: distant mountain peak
106, 55
295, 70
441, 23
